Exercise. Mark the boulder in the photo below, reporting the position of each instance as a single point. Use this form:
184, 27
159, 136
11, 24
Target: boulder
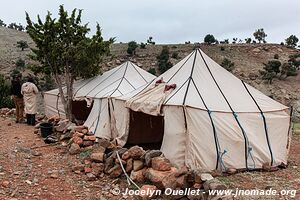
156, 177
74, 149
97, 157
138, 176
138, 165
103, 142
77, 140
206, 177
151, 154
134, 152
161, 164
115, 172
129, 165
169, 181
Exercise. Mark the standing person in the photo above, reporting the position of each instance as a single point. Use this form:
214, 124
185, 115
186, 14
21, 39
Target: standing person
30, 91
17, 97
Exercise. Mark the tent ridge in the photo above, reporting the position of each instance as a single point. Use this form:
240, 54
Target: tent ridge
190, 77
130, 83
105, 88
138, 72
121, 79
166, 101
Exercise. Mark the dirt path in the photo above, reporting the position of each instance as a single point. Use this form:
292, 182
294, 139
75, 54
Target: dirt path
45, 172
42, 173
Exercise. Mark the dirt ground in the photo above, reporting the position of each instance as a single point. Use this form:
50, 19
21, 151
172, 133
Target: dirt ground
31, 170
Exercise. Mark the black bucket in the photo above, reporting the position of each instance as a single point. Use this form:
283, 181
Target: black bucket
46, 129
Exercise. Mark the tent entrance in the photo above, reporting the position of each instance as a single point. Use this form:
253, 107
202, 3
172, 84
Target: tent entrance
80, 110
145, 130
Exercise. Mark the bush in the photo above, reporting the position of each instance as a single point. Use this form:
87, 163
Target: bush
143, 45
270, 70
260, 35
209, 39
227, 64
5, 100
175, 55
222, 48
276, 56
22, 44
150, 41
152, 71
248, 40
20, 64
131, 48
163, 60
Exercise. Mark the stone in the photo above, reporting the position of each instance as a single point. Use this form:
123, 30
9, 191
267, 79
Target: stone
138, 165
74, 149
115, 172
198, 196
87, 170
62, 125
79, 167
97, 168
213, 184
87, 143
183, 170
231, 171
54, 175
5, 184
85, 131
129, 165
103, 142
134, 152
98, 149
78, 134
169, 181
146, 190
89, 137
206, 177
161, 164
138, 176
156, 177
151, 154
182, 181
79, 128
77, 140
123, 162
91, 177
109, 163
97, 157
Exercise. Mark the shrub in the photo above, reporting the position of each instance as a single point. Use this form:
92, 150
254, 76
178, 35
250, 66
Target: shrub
222, 48
248, 40
152, 71
150, 41
20, 64
175, 55
131, 48
292, 41
270, 70
5, 100
163, 60
227, 64
276, 56
143, 45
22, 44
260, 35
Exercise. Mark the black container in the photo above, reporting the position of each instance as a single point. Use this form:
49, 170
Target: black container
46, 129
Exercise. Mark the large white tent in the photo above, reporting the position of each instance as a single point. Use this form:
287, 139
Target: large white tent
213, 120
102, 90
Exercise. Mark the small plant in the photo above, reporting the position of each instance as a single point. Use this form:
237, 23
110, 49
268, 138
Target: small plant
143, 45
175, 55
22, 44
270, 70
222, 48
276, 56
227, 64
152, 71
84, 154
150, 40
248, 40
131, 48
163, 60
20, 64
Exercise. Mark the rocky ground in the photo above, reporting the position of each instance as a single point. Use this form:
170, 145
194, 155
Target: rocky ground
30, 169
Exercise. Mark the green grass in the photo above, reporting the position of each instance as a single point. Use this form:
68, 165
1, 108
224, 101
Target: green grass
296, 126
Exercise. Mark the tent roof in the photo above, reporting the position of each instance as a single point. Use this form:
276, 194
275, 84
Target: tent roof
116, 82
204, 84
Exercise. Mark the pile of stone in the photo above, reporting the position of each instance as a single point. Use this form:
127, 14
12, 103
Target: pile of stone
145, 166
81, 137
6, 112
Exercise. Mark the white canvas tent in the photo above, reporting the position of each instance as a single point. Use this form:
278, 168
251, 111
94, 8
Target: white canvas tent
103, 90
213, 120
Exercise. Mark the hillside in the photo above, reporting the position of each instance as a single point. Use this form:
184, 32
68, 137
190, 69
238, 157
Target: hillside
248, 59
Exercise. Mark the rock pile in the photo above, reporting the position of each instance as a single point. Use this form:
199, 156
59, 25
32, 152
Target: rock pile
81, 137
143, 166
6, 112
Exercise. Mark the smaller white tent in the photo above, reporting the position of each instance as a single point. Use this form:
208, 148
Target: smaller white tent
213, 120
103, 90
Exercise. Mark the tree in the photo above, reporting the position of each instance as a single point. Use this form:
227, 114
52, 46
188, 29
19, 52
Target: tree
270, 70
16, 26
163, 60
5, 100
143, 45
150, 41
2, 23
227, 64
234, 40
260, 35
152, 71
22, 44
209, 39
292, 41
248, 40
131, 48
65, 51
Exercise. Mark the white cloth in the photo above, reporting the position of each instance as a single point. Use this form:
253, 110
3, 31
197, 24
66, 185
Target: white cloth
29, 91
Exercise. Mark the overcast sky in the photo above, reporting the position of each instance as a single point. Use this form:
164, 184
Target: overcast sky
170, 21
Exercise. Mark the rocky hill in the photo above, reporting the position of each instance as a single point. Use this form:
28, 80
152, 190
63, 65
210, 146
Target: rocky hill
248, 59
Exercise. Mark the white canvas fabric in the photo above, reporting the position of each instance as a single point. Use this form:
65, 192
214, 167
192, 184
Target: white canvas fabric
108, 117
213, 120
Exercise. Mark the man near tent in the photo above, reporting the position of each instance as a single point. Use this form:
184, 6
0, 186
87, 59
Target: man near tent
17, 97
30, 91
